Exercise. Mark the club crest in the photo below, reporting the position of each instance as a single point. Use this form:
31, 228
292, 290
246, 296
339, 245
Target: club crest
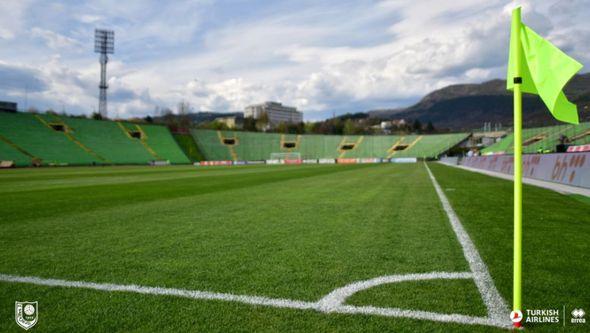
26, 314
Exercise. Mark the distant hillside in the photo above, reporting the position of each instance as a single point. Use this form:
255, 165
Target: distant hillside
468, 106
201, 117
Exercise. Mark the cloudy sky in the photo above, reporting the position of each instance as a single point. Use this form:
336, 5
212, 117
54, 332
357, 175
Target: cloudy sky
324, 57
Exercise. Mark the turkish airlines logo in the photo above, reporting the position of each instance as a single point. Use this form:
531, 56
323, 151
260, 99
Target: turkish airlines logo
516, 316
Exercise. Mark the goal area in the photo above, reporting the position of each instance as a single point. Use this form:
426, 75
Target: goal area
285, 156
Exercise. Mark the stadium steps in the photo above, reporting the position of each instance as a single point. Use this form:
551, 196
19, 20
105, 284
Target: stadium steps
342, 143
189, 146
88, 150
286, 138
409, 148
160, 140
391, 151
68, 133
9, 151
345, 141
53, 140
142, 137
550, 140
582, 137
260, 146
230, 148
32, 135
407, 152
208, 143
109, 140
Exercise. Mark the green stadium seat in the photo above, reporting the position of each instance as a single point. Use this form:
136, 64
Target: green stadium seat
31, 134
260, 146
57, 140
542, 139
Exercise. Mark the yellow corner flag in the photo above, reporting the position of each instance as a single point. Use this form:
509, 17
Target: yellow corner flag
545, 71
535, 66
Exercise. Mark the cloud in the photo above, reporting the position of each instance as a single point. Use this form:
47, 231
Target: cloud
322, 57
54, 40
17, 78
12, 18
90, 19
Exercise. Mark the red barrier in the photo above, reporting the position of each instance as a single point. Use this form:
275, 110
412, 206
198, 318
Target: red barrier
578, 149
346, 160
211, 163
565, 168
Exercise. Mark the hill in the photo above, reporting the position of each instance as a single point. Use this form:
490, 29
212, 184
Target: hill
200, 117
468, 106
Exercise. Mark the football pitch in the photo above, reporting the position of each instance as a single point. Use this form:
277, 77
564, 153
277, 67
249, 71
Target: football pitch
315, 248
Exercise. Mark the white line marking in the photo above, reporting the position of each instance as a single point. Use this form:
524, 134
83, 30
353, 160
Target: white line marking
195, 294
497, 309
337, 297
498, 313
276, 302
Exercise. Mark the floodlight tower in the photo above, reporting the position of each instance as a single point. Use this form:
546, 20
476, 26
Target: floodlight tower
104, 43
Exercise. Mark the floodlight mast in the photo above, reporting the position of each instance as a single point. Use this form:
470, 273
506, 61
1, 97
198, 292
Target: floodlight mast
104, 43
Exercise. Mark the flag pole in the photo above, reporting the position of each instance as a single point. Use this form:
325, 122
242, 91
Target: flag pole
517, 288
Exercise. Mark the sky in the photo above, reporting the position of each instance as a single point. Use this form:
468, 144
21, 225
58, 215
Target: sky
324, 57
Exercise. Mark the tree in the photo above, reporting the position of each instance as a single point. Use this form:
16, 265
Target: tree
298, 128
262, 122
349, 127
96, 116
429, 127
217, 125
250, 124
336, 126
310, 127
417, 126
149, 119
184, 120
282, 128
168, 117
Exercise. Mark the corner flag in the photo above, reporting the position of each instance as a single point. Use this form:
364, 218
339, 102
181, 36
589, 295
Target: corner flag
545, 71
535, 66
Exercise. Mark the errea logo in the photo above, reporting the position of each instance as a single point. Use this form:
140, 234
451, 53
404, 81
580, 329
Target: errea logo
578, 316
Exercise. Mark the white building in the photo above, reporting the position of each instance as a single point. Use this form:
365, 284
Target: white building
230, 122
277, 113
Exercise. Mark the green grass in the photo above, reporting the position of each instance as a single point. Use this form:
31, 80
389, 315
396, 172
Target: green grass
581, 198
287, 232
556, 234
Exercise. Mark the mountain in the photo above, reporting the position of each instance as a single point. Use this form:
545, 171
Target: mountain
468, 106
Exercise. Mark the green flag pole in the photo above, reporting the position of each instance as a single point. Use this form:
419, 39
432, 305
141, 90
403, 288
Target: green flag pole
517, 291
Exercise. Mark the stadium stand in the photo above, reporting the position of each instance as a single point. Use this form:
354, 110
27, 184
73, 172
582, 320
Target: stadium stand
233, 145
543, 139
188, 145
159, 139
8, 152
109, 140
30, 133
53, 140
211, 146
320, 146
